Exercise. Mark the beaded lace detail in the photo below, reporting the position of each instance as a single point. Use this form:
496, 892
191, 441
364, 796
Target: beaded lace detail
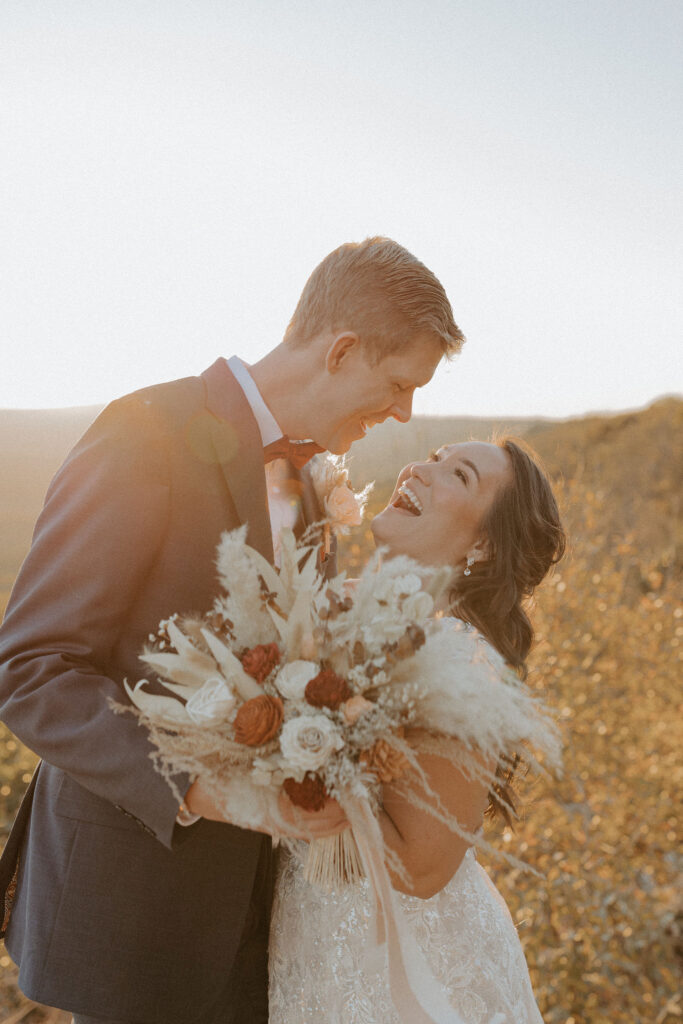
320, 968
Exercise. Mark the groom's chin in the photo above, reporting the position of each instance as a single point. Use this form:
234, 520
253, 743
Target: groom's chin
339, 446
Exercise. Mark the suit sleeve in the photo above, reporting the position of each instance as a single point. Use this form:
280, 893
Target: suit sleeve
97, 537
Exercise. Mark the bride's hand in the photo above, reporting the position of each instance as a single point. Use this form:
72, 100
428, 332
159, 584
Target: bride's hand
330, 821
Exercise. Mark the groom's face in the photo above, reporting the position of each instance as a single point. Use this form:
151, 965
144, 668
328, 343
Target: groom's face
361, 394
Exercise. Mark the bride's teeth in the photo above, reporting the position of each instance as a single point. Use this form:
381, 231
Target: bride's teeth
408, 495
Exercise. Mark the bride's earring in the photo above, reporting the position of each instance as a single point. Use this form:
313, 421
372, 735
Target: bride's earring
467, 571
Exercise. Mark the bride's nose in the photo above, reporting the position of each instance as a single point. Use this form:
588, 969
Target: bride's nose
422, 471
405, 474
415, 469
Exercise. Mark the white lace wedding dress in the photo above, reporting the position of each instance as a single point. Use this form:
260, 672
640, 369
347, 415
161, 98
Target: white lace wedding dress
319, 969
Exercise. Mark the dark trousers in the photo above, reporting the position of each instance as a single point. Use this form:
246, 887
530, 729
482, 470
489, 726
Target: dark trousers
244, 999
244, 1004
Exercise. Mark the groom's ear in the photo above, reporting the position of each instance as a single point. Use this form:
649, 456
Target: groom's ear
340, 349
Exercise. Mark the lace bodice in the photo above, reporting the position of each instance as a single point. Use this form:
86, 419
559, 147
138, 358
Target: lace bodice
319, 967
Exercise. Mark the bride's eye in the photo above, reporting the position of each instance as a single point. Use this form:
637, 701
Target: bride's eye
462, 475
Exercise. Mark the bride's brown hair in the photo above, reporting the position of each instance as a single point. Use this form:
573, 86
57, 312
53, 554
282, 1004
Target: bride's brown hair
526, 539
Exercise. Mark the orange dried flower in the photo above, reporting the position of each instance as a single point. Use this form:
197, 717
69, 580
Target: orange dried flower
385, 761
327, 690
259, 661
258, 720
309, 794
355, 707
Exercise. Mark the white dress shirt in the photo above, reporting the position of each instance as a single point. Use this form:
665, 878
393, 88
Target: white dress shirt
283, 498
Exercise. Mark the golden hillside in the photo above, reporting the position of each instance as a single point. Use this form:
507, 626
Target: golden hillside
602, 927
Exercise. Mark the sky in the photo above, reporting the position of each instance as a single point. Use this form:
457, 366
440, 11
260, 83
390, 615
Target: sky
171, 172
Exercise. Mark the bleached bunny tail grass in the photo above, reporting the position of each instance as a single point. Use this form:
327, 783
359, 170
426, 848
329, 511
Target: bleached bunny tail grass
472, 694
242, 601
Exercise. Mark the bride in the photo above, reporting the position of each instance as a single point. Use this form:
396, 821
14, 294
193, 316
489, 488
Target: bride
487, 511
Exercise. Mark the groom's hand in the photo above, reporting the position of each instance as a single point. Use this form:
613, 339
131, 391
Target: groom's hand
260, 810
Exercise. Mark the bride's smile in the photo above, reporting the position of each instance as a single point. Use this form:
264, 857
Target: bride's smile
436, 511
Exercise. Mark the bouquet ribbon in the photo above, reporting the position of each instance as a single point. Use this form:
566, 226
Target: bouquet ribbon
417, 995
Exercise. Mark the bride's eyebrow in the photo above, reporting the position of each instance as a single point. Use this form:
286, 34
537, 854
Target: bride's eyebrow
468, 462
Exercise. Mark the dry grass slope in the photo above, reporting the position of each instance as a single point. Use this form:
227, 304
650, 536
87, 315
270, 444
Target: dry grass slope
602, 930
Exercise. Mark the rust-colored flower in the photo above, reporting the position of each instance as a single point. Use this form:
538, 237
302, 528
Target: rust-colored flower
385, 761
259, 661
327, 690
258, 720
309, 794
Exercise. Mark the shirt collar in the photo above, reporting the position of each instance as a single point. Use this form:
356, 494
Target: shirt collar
267, 424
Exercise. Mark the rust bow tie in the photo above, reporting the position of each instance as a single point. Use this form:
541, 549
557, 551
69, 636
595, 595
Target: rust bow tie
298, 452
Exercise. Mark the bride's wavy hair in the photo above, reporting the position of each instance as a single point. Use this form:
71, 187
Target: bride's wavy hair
526, 538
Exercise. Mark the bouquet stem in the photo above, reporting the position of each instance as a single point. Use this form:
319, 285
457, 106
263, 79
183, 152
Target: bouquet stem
333, 861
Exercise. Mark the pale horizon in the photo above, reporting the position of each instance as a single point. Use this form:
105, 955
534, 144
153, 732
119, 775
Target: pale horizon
675, 396
173, 173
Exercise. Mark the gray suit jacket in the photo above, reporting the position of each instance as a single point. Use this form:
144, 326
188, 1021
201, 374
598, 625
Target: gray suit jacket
119, 912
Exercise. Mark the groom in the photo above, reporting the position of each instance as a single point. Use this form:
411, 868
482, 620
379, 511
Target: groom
121, 906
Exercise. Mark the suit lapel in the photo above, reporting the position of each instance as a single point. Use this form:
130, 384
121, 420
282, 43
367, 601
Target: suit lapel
237, 445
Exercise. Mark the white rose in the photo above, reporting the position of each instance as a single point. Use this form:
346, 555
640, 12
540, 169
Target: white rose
342, 507
307, 741
418, 606
292, 678
212, 703
391, 588
408, 584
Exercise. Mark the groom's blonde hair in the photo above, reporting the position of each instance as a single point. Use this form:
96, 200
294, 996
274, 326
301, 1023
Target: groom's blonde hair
380, 291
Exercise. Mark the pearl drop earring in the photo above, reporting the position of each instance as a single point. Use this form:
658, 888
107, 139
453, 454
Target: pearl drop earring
468, 571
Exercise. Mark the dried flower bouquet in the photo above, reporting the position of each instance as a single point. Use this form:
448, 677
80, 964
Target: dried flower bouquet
293, 682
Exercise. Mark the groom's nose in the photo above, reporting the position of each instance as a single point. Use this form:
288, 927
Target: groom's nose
402, 407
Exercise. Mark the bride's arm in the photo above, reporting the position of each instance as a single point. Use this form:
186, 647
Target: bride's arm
430, 852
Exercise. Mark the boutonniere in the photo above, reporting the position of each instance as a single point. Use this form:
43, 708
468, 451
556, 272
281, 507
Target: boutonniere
342, 506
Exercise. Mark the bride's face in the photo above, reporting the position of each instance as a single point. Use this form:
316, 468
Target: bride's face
436, 512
